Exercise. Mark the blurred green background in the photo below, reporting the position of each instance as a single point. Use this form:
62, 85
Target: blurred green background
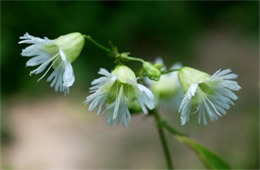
43, 129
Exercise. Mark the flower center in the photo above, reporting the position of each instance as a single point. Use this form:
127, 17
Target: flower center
206, 88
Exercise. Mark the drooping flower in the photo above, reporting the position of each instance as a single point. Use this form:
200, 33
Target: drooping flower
209, 96
114, 91
57, 54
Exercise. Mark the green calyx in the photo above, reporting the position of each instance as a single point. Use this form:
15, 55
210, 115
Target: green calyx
151, 71
124, 74
188, 76
71, 44
126, 78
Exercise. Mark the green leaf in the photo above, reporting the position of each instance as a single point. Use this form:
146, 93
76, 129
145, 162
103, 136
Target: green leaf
208, 158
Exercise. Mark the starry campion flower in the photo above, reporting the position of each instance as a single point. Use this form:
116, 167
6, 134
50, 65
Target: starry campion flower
57, 54
209, 96
116, 90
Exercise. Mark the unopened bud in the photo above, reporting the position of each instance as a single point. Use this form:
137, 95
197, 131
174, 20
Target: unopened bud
152, 72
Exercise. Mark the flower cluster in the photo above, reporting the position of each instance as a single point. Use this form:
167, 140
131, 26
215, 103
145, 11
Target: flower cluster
118, 92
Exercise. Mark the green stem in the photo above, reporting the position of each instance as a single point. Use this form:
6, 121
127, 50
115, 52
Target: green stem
121, 56
163, 140
169, 71
132, 59
97, 44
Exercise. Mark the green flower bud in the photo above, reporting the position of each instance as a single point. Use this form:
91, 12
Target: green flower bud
159, 66
188, 76
152, 72
124, 74
71, 44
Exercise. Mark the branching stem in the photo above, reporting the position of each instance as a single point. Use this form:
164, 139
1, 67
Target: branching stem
123, 56
172, 130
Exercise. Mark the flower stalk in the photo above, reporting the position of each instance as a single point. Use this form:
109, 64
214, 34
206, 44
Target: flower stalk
163, 139
125, 57
113, 53
97, 44
169, 71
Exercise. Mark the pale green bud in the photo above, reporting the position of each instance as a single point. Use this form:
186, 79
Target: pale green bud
152, 72
124, 74
166, 87
188, 76
71, 44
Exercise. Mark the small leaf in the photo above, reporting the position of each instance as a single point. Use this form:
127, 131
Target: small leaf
209, 159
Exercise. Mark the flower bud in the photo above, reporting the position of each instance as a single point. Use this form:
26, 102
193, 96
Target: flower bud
159, 66
188, 76
166, 87
124, 74
152, 72
71, 44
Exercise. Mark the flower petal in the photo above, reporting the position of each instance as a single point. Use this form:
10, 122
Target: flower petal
186, 105
145, 98
68, 76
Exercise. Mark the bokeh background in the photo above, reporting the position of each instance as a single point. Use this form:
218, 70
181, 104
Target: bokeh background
41, 129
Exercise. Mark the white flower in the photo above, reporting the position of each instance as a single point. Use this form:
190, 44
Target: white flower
57, 54
115, 90
209, 96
